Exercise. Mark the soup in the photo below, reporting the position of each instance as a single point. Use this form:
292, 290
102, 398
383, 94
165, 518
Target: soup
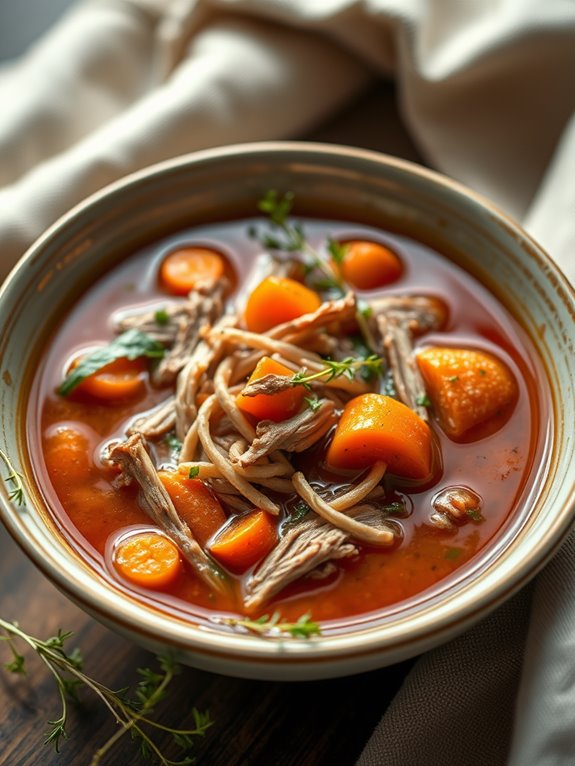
314, 417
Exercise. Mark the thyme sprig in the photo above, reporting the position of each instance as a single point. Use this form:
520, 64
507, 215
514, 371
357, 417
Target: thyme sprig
347, 367
14, 481
131, 715
272, 626
288, 236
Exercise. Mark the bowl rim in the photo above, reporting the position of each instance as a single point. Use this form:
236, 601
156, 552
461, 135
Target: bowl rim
133, 615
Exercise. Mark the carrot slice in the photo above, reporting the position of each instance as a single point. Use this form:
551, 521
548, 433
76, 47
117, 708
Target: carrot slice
375, 428
244, 541
195, 504
121, 379
466, 387
369, 265
67, 455
147, 559
274, 407
277, 300
186, 267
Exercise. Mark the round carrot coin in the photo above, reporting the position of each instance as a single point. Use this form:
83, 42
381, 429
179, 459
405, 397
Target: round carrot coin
147, 559
183, 269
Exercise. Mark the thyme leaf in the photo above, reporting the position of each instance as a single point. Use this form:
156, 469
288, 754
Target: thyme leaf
14, 481
335, 369
132, 344
289, 236
273, 626
132, 716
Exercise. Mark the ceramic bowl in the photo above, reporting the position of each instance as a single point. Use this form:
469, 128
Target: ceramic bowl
342, 182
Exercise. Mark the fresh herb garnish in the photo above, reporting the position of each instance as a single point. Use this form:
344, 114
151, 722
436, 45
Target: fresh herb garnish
423, 401
290, 238
313, 402
452, 553
394, 509
173, 443
453, 378
14, 481
297, 513
161, 317
334, 369
482, 372
337, 250
131, 715
268, 626
474, 514
132, 344
194, 472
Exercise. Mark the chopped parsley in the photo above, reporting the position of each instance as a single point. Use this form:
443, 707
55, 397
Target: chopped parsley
161, 317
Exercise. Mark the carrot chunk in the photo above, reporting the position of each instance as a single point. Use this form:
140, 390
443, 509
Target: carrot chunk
186, 267
374, 428
195, 504
276, 407
466, 387
369, 265
277, 300
67, 453
121, 379
147, 559
245, 541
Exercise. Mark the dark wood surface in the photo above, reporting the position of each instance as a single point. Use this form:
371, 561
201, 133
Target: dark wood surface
255, 722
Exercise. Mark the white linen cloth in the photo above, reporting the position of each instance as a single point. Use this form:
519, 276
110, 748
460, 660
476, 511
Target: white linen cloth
487, 89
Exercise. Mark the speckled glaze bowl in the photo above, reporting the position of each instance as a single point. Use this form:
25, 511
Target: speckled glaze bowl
338, 182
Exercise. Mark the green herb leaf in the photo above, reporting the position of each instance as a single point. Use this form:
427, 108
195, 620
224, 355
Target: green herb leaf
313, 402
272, 627
161, 317
194, 472
276, 207
133, 716
337, 250
14, 481
173, 443
372, 365
453, 378
297, 513
132, 344
475, 514
394, 509
452, 553
423, 401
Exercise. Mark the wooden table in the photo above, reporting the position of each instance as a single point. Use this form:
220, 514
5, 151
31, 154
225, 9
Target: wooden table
255, 722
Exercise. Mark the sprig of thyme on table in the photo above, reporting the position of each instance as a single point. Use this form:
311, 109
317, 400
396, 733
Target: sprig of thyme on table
272, 626
131, 715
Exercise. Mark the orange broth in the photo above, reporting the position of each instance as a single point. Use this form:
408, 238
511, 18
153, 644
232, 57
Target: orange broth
93, 513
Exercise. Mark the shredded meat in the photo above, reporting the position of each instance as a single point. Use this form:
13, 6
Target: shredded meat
269, 384
455, 506
303, 549
203, 309
146, 321
157, 422
193, 377
395, 321
339, 310
136, 464
293, 435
